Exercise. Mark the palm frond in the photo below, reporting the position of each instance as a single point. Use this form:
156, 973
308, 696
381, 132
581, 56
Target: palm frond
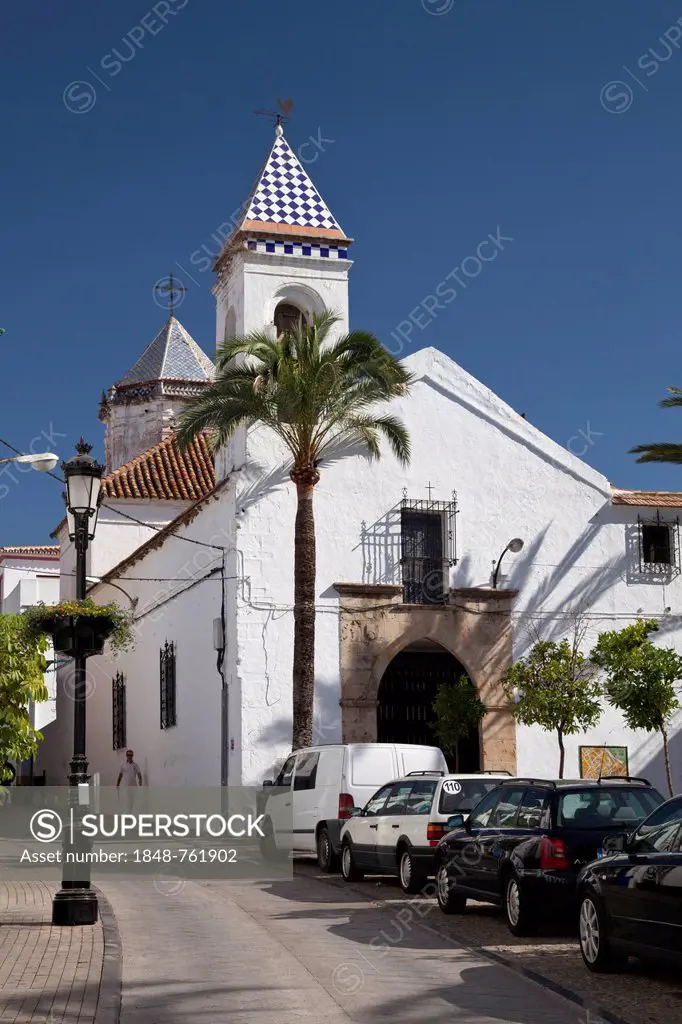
674, 401
306, 389
663, 452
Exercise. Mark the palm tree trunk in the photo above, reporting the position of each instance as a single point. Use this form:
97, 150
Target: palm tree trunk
304, 610
666, 755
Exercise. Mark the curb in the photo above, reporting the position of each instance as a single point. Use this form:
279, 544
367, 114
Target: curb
111, 984
460, 940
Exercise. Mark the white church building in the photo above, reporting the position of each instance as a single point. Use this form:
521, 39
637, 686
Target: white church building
202, 552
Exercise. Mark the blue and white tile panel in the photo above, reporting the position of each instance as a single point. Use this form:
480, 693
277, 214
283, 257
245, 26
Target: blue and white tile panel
332, 252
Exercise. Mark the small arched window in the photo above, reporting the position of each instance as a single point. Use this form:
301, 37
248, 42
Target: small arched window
287, 318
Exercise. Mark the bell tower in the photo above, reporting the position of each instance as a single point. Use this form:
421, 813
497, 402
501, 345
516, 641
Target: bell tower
287, 256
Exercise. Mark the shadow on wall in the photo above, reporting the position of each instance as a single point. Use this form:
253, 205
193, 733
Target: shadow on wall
263, 480
654, 768
275, 734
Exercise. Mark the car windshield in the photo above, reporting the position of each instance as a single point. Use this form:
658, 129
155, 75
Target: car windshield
462, 795
606, 806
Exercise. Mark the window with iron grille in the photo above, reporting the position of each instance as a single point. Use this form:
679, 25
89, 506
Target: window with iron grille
168, 694
659, 545
118, 710
427, 537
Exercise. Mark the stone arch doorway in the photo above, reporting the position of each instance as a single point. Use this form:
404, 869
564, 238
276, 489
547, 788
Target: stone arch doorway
405, 697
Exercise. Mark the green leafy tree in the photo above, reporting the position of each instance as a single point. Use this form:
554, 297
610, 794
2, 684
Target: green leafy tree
662, 451
555, 687
314, 395
642, 680
22, 664
458, 711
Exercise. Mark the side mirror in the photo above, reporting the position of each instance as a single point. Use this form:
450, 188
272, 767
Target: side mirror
268, 782
614, 844
355, 812
455, 821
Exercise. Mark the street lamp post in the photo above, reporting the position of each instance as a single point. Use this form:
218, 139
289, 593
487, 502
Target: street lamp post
514, 545
76, 903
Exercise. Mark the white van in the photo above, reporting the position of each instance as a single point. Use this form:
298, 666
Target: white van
318, 786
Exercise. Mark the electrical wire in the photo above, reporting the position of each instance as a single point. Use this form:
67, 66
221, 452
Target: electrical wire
125, 515
150, 526
96, 581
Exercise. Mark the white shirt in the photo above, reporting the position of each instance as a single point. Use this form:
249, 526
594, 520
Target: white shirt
129, 771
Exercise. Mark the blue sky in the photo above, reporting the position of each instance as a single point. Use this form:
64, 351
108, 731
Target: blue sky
438, 123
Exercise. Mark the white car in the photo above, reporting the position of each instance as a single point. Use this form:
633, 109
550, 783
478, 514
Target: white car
318, 787
398, 829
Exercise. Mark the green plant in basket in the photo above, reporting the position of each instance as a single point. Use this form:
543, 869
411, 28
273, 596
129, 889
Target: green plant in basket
41, 620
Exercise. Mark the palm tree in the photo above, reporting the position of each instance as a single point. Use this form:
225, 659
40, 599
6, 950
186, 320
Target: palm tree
664, 451
315, 395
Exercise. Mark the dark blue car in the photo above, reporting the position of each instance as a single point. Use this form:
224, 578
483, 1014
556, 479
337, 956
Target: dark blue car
526, 842
631, 897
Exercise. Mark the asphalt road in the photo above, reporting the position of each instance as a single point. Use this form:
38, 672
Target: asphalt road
644, 995
306, 951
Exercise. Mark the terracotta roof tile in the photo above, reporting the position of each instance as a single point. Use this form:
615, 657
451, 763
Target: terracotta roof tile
660, 499
32, 549
165, 473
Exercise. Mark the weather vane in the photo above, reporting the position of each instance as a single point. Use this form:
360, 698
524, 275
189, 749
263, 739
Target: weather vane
170, 288
281, 117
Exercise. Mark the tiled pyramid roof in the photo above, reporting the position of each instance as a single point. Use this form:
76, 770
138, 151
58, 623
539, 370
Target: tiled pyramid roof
165, 473
284, 199
172, 355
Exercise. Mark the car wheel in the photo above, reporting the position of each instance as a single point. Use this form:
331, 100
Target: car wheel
268, 847
349, 869
598, 954
327, 860
522, 918
449, 900
411, 879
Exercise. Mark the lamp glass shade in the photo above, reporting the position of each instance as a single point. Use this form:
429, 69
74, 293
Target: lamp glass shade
92, 523
70, 524
516, 544
82, 489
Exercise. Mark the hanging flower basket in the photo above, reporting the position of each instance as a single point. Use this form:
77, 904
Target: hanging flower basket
81, 627
72, 635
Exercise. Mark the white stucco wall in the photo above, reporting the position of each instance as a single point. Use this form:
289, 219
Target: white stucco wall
134, 427
257, 282
167, 609
510, 481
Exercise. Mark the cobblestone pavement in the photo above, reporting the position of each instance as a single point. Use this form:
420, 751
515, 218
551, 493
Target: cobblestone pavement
47, 975
643, 995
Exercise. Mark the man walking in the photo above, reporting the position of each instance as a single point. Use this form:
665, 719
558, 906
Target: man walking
131, 776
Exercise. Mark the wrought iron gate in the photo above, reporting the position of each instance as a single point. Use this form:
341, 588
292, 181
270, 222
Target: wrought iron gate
423, 562
406, 695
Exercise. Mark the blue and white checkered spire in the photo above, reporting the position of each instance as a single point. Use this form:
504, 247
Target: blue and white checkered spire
284, 194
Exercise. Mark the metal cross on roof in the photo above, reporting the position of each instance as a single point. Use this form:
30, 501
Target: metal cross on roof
429, 488
172, 289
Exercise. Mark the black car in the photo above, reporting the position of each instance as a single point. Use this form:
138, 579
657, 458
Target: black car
526, 842
631, 898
